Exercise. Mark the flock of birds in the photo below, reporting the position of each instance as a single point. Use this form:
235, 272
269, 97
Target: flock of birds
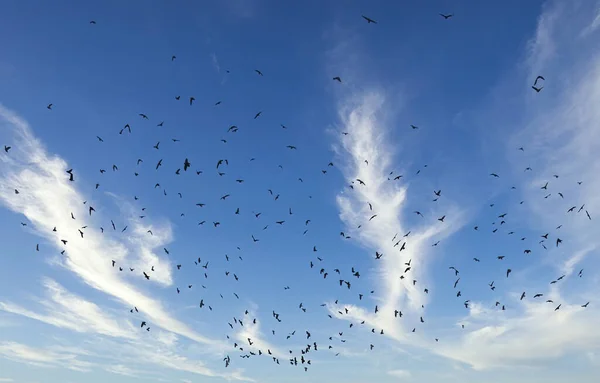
344, 279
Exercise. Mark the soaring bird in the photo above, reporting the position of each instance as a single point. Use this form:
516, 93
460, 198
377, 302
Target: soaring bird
369, 20
446, 16
337, 78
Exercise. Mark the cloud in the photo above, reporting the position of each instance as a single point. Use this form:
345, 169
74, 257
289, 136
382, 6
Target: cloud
42, 357
47, 199
6, 380
215, 62
252, 330
403, 374
120, 369
363, 118
536, 334
561, 135
561, 130
69, 311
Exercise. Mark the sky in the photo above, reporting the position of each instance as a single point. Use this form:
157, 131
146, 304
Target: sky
301, 219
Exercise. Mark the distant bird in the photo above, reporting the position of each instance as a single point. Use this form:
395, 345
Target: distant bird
258, 72
369, 20
257, 115
537, 90
338, 79
537, 79
6, 148
446, 17
191, 100
92, 22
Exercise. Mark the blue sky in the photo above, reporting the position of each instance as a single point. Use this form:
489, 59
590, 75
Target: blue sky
464, 82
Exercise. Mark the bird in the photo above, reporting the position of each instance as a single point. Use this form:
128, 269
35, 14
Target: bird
369, 20
258, 72
537, 90
338, 79
537, 79
446, 17
49, 107
92, 22
7, 148
192, 100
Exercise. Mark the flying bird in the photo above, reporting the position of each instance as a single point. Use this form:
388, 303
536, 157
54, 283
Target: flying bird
369, 20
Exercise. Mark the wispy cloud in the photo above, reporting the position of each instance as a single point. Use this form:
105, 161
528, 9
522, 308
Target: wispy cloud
215, 62
402, 374
66, 310
562, 136
47, 199
43, 357
120, 369
367, 156
251, 330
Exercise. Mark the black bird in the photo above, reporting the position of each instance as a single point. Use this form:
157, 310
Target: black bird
446, 16
537, 89
258, 72
70, 172
186, 165
369, 21
338, 79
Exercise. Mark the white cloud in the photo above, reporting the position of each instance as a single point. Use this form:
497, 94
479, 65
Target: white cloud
403, 374
252, 330
120, 369
42, 357
561, 136
6, 380
66, 310
363, 119
47, 199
